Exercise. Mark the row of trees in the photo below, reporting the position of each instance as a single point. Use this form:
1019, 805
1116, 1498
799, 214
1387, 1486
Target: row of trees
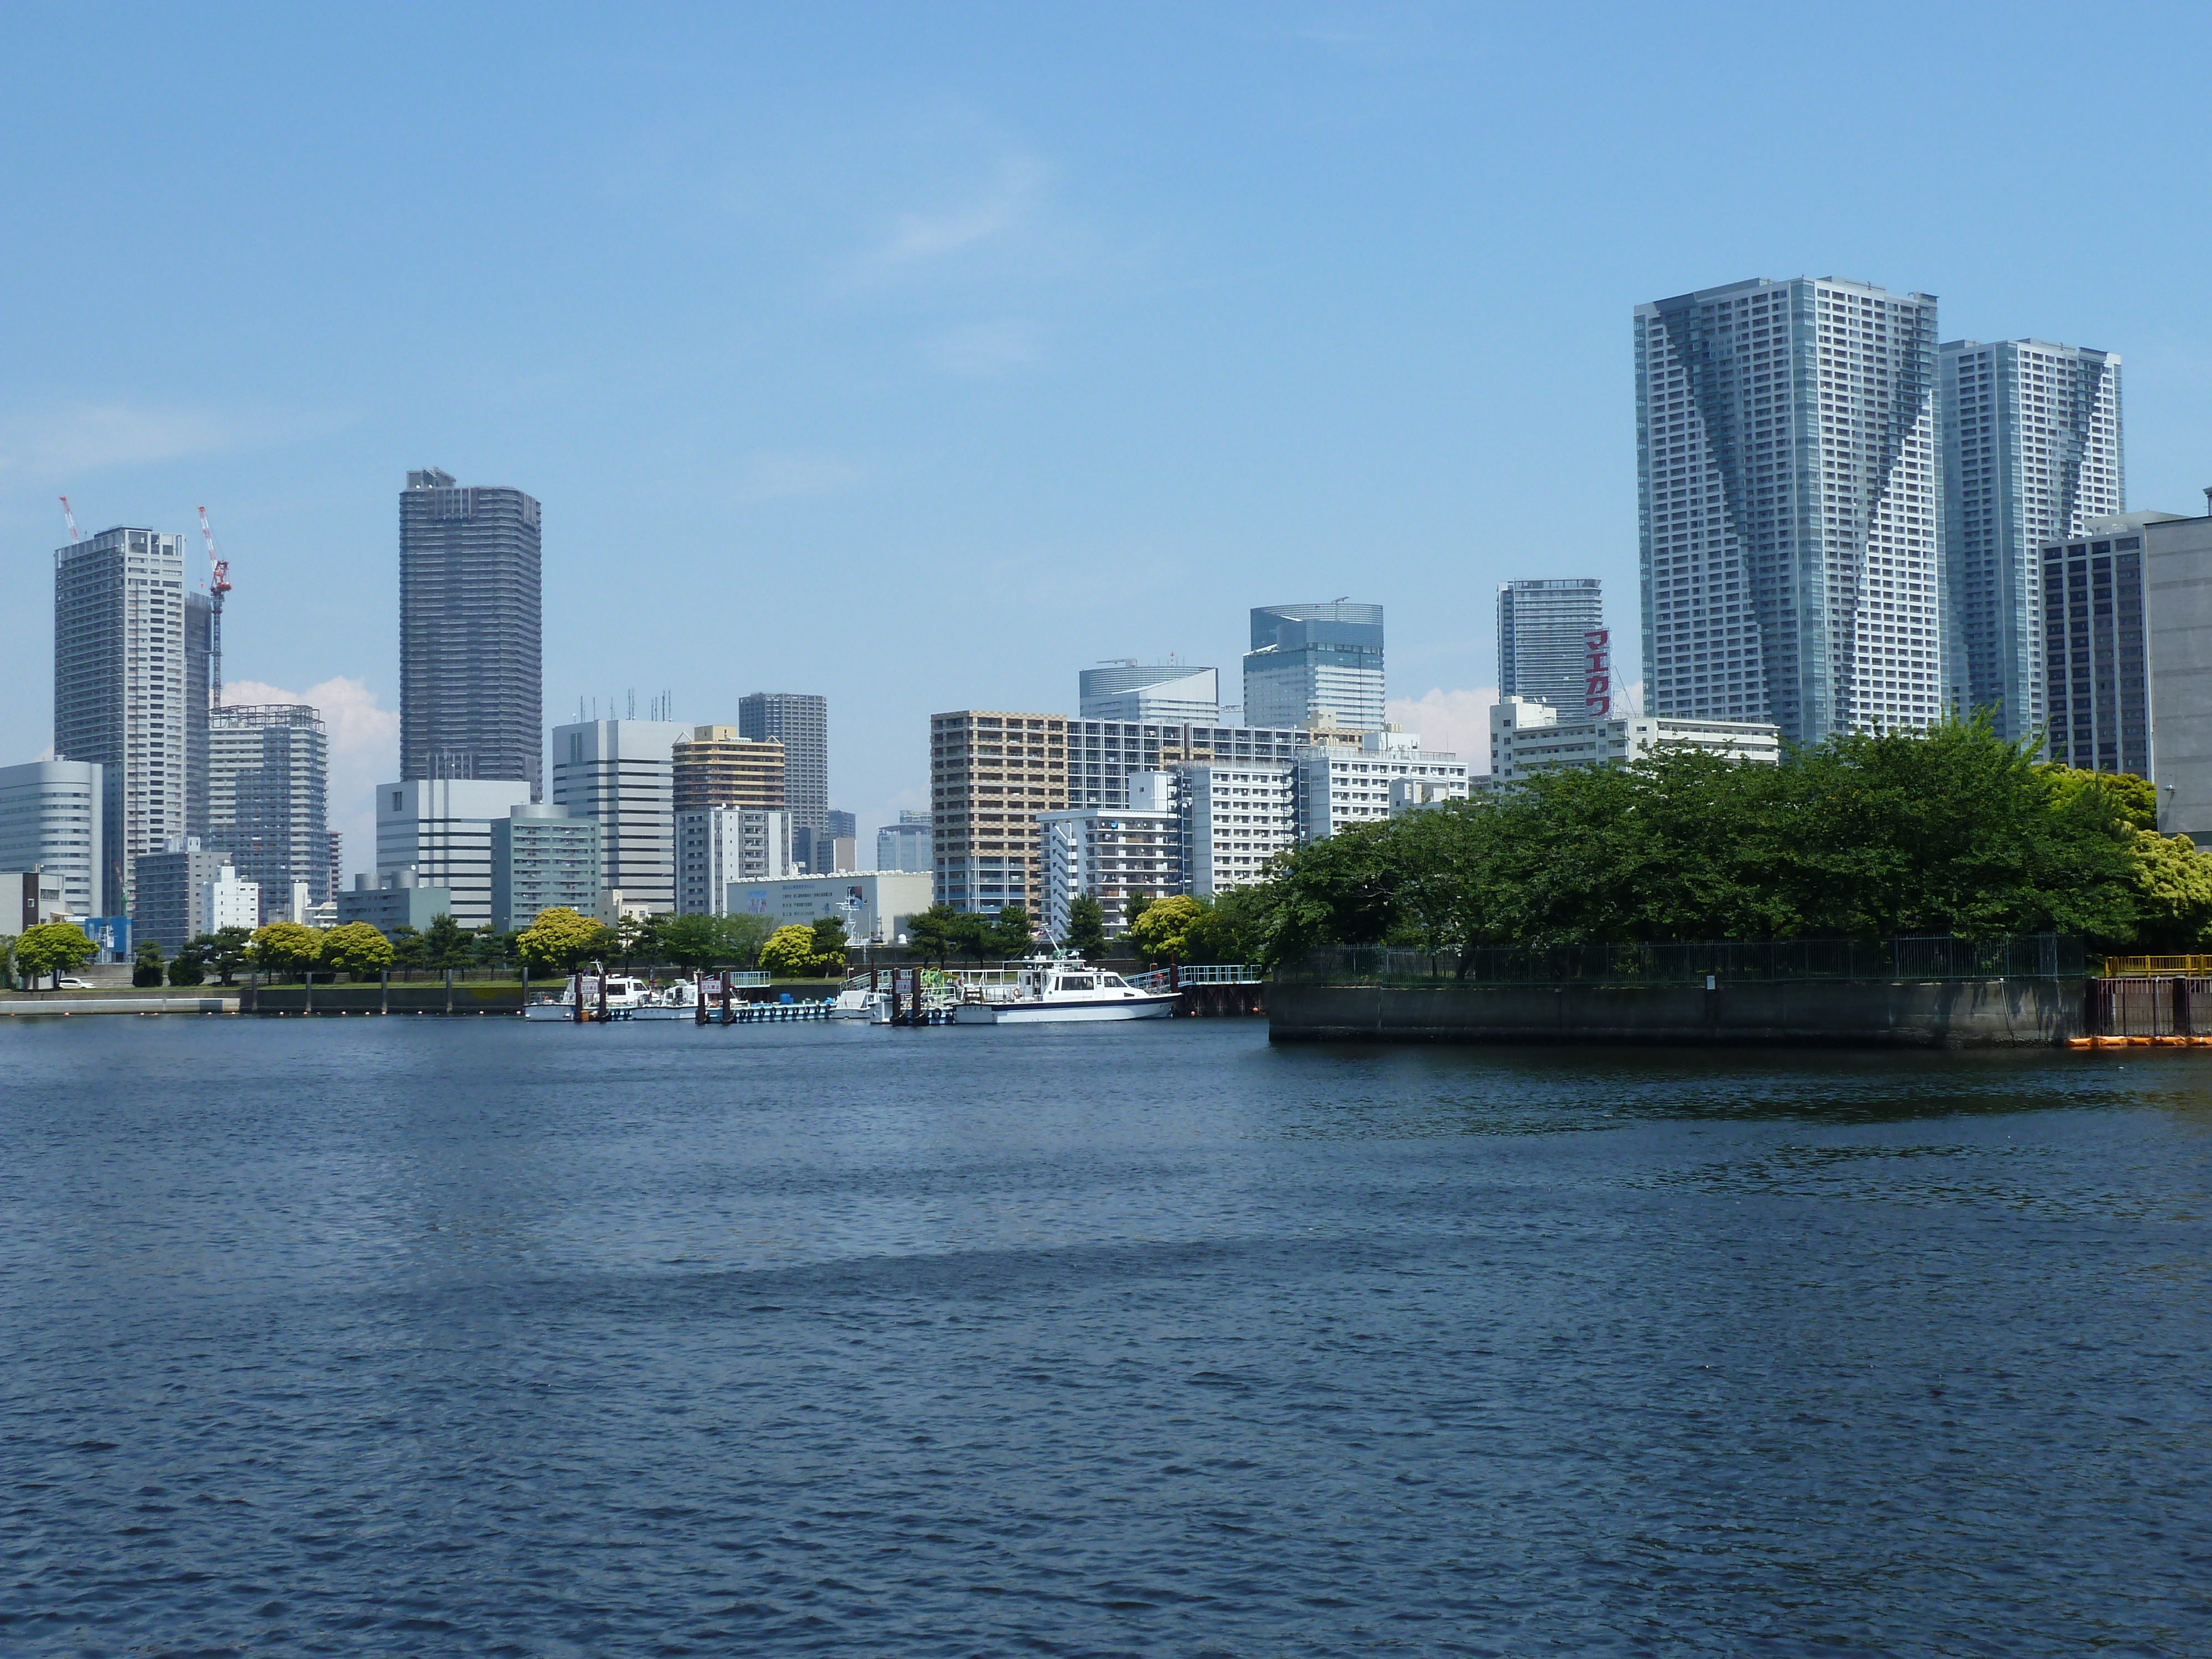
1952, 830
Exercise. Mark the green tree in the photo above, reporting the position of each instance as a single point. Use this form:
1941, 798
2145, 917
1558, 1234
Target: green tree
1133, 906
285, 947
1010, 933
1086, 928
934, 935
1163, 931
559, 940
2172, 890
225, 950
700, 941
741, 936
493, 950
789, 953
408, 950
829, 944
189, 967
2135, 798
357, 949
53, 948
146, 965
446, 943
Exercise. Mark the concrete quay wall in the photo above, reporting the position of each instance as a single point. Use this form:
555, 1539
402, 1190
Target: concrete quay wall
1986, 1014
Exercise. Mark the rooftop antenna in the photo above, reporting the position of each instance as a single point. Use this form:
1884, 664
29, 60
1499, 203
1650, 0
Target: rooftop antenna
74, 537
218, 585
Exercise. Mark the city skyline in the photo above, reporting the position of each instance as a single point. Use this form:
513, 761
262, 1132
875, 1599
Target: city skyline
990, 327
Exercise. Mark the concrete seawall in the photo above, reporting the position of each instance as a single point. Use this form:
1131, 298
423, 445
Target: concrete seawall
1986, 1014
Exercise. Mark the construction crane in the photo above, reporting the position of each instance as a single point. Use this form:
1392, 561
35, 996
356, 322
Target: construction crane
71, 517
218, 585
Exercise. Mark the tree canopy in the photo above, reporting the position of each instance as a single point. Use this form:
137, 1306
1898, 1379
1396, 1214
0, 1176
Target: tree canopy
53, 947
560, 939
1086, 928
357, 949
789, 953
224, 950
1952, 830
285, 947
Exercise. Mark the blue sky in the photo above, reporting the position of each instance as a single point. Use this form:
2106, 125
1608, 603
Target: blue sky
924, 355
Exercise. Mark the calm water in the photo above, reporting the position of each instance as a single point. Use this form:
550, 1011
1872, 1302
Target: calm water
406, 1336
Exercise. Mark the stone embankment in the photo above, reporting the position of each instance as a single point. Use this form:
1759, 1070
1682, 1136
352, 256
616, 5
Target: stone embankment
1987, 1013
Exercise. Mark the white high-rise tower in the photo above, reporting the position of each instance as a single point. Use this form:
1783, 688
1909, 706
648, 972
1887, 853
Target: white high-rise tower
1788, 471
2031, 454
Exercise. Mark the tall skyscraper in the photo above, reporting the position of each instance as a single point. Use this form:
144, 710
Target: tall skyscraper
2031, 453
471, 669
1311, 660
1543, 644
1786, 436
199, 634
1127, 691
800, 722
120, 690
268, 796
622, 775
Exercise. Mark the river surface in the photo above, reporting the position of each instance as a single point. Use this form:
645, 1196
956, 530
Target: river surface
414, 1336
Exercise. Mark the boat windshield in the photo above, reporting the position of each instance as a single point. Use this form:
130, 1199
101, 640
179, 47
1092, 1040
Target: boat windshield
1111, 983
1075, 982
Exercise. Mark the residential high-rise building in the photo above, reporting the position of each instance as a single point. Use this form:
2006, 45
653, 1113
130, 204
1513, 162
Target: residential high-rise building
1127, 691
337, 867
1311, 660
2032, 453
120, 690
170, 892
715, 766
1787, 466
622, 775
268, 795
1101, 754
1543, 639
1235, 818
718, 845
1112, 854
471, 666
991, 773
1338, 786
800, 722
199, 635
542, 858
905, 845
229, 901
2178, 586
50, 820
438, 831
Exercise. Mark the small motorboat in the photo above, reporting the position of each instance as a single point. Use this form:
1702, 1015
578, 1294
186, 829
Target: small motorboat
1050, 991
625, 997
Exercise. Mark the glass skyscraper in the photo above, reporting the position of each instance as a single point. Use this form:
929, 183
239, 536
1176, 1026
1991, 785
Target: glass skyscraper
1787, 475
1311, 660
1543, 647
471, 663
2031, 454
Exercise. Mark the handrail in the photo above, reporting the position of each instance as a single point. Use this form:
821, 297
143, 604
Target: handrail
2157, 967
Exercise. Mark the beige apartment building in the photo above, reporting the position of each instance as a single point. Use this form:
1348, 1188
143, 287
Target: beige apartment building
991, 773
715, 766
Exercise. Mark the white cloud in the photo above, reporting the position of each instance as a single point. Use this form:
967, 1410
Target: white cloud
772, 475
983, 350
1455, 721
364, 752
1012, 196
89, 436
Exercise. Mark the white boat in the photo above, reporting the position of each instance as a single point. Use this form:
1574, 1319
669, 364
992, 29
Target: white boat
625, 997
859, 1002
1046, 993
677, 1000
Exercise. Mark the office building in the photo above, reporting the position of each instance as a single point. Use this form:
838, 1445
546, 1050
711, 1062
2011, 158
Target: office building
1308, 660
1112, 853
1337, 786
991, 773
199, 643
877, 906
393, 900
800, 722
2094, 633
1235, 818
718, 845
1103, 754
716, 767
2032, 453
170, 888
1787, 443
1544, 631
622, 775
28, 899
120, 690
1126, 691
1526, 738
2177, 595
472, 671
438, 831
268, 795
229, 901
540, 858
836, 844
905, 845
50, 820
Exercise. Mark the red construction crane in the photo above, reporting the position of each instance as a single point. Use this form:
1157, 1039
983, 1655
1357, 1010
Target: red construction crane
218, 585
71, 517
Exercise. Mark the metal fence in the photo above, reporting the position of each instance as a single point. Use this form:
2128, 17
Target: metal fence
2027, 956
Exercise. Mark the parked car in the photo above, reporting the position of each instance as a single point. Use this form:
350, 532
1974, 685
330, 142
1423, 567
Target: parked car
67, 983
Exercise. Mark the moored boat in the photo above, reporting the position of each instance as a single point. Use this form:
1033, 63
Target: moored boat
1054, 991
